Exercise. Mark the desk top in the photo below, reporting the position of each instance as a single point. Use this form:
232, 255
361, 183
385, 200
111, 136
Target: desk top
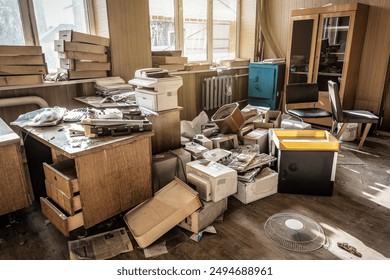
7, 135
60, 138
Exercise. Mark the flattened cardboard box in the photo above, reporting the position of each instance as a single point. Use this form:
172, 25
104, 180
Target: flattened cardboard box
272, 119
154, 217
204, 216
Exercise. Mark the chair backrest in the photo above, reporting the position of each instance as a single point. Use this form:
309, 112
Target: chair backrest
301, 93
335, 103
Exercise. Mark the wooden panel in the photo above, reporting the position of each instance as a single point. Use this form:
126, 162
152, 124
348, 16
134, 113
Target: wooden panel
83, 56
72, 75
62, 46
20, 80
72, 64
21, 70
247, 29
166, 127
63, 175
20, 50
111, 190
73, 36
13, 186
22, 60
130, 36
63, 223
69, 204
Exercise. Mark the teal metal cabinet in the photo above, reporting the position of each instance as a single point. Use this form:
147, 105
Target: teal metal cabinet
265, 84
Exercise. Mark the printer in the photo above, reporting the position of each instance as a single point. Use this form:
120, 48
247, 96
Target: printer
156, 90
213, 181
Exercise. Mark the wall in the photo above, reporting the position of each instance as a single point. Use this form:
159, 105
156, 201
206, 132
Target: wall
247, 29
376, 45
129, 28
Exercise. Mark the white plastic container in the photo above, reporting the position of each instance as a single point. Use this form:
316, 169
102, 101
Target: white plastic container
350, 132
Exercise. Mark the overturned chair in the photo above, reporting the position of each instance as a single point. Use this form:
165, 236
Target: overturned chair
349, 116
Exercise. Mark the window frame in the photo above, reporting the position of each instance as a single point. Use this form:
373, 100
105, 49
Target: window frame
179, 28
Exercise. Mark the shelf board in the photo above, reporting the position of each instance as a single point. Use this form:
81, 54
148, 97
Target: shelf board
299, 73
329, 74
337, 28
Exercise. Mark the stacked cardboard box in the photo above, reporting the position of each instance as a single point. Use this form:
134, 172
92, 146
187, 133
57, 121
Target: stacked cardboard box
82, 56
21, 65
169, 60
238, 62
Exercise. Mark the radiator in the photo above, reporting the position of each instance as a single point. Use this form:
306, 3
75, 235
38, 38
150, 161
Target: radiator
217, 91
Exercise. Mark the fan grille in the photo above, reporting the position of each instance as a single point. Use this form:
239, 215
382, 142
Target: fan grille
295, 232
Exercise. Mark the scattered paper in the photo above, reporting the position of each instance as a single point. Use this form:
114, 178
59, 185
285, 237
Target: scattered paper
155, 250
101, 246
198, 237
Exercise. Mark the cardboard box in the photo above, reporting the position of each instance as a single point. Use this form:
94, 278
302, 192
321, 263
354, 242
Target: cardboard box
169, 60
229, 118
212, 180
167, 166
204, 216
258, 136
272, 119
265, 184
153, 218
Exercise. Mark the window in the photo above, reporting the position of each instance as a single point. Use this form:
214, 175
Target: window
195, 29
11, 29
224, 29
162, 25
54, 15
50, 17
204, 29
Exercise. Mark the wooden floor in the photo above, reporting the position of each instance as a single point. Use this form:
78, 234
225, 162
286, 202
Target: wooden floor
358, 213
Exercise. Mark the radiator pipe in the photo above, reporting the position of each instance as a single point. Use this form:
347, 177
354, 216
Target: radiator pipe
23, 100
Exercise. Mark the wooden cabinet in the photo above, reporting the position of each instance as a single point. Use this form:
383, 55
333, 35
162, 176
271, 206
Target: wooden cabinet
14, 193
325, 44
90, 180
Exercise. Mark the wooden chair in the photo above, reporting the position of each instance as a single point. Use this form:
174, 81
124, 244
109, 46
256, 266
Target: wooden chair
304, 93
349, 116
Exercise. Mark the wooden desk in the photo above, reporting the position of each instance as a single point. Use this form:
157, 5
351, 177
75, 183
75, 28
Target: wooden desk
14, 193
92, 179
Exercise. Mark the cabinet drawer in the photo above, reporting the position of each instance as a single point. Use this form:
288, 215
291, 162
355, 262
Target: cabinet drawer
63, 223
63, 175
69, 204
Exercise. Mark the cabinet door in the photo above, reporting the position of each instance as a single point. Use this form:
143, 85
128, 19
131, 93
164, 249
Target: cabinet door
262, 82
301, 49
333, 45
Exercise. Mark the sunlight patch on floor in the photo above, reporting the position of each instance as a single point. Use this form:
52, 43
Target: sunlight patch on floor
335, 235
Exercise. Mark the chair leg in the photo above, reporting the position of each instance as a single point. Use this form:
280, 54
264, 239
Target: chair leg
342, 129
364, 136
359, 131
334, 127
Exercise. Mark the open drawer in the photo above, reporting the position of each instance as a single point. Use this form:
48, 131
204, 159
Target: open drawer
70, 204
62, 222
63, 176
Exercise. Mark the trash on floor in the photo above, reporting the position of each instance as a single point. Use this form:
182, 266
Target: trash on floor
197, 237
100, 246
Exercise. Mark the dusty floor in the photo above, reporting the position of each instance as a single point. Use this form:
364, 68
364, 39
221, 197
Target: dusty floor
358, 213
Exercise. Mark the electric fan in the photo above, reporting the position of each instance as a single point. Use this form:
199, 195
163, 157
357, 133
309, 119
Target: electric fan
295, 232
